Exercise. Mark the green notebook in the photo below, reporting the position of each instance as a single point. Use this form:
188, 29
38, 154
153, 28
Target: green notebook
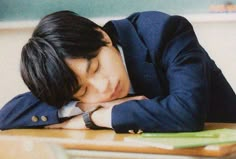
184, 140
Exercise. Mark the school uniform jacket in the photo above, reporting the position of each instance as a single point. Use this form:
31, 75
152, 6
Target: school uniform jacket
165, 63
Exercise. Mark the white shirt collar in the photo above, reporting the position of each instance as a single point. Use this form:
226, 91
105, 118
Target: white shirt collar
131, 91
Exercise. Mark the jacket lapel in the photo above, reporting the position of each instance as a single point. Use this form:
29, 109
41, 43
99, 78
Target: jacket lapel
142, 72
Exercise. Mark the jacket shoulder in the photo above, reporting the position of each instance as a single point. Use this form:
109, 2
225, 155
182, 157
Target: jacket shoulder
157, 29
148, 16
154, 19
153, 25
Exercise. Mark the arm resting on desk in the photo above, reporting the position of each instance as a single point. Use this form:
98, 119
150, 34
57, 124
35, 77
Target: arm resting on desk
26, 111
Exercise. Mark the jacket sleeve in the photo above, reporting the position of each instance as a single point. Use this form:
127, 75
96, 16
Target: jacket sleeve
26, 111
186, 71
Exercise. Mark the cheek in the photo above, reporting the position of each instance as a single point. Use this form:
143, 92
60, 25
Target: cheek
112, 68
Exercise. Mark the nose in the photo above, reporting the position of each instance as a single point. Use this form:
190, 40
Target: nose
99, 83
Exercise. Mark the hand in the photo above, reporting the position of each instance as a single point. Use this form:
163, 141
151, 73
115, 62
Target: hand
102, 117
122, 100
76, 122
89, 106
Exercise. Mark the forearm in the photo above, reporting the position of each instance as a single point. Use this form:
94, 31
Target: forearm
100, 117
166, 115
25, 111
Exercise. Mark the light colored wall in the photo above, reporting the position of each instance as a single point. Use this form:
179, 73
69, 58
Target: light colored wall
217, 37
11, 42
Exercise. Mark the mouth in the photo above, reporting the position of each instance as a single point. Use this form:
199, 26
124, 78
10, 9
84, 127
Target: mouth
116, 91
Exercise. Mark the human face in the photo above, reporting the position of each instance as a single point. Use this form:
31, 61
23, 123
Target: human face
103, 78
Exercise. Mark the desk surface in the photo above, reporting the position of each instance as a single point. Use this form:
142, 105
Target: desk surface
108, 140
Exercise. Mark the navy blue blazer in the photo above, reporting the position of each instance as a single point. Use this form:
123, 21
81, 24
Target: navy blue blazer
165, 63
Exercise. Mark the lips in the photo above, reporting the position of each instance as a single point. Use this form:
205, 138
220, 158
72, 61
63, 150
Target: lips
116, 92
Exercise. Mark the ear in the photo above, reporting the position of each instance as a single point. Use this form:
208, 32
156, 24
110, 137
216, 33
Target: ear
106, 37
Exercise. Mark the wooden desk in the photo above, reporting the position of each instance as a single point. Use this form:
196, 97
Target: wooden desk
107, 143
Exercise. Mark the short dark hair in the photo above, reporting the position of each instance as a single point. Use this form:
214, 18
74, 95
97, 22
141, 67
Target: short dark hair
58, 36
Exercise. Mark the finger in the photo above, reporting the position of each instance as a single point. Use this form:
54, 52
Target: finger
53, 126
139, 98
143, 97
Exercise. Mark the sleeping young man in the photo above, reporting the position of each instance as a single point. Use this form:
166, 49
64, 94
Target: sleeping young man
144, 73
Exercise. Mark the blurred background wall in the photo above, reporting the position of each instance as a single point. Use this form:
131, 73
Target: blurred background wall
214, 22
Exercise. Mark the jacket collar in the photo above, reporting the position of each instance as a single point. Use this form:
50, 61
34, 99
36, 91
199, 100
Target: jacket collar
129, 39
141, 72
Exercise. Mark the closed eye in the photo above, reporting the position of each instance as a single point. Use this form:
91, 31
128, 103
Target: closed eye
97, 68
85, 91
